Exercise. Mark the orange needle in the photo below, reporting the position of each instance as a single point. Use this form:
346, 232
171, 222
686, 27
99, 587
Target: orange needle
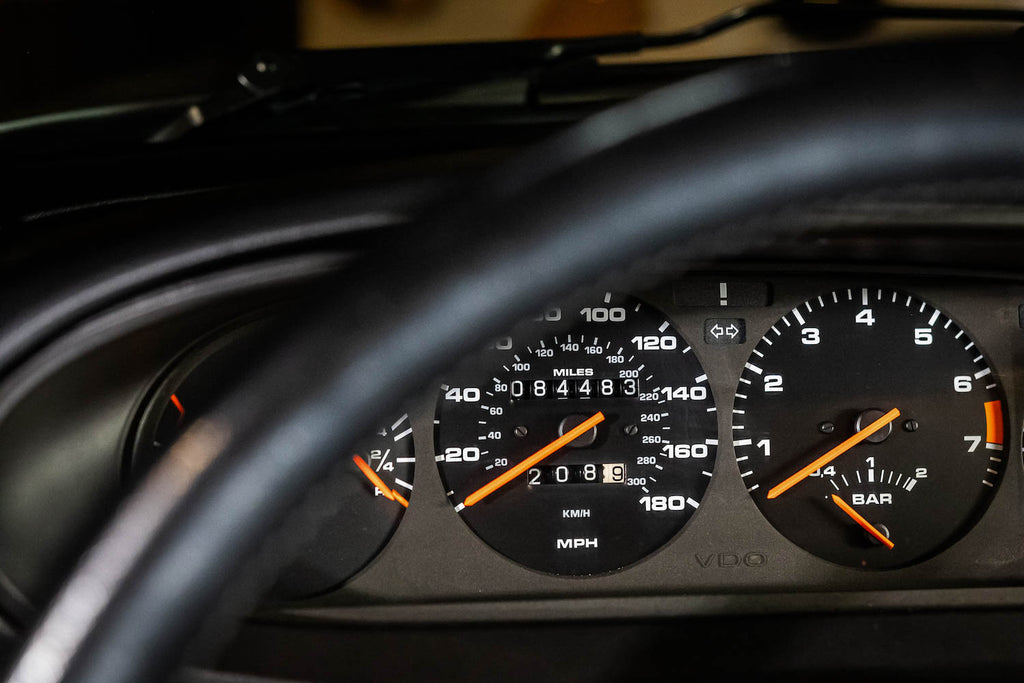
865, 524
384, 489
834, 453
181, 409
509, 475
399, 498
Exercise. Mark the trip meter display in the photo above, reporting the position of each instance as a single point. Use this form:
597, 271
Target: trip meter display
869, 428
579, 450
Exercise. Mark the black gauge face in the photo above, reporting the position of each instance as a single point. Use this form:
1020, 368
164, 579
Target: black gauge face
869, 428
375, 482
583, 450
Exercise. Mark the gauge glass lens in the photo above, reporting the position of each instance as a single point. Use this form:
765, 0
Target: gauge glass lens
374, 481
581, 450
869, 428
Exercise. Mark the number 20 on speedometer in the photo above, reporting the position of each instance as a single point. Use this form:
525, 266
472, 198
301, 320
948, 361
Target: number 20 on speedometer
582, 442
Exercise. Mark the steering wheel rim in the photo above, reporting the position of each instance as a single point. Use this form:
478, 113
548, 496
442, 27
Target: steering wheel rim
612, 192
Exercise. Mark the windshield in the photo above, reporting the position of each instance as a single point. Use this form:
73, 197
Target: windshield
61, 55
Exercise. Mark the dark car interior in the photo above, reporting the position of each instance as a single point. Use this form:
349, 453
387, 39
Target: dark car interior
605, 349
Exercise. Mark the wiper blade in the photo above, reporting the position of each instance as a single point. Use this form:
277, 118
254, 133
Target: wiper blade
359, 72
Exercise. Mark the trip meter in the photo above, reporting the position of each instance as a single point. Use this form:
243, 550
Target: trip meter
869, 428
579, 450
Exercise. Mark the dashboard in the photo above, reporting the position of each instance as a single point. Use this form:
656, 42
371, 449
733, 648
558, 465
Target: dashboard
692, 404
801, 458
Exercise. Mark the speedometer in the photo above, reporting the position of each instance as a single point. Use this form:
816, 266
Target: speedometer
583, 450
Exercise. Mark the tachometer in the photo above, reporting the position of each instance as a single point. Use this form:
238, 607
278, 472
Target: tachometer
869, 428
580, 451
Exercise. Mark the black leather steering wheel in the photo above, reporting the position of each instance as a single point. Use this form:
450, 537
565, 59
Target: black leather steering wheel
615, 194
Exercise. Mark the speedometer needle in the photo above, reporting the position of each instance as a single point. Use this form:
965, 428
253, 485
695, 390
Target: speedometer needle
834, 453
865, 524
509, 475
384, 489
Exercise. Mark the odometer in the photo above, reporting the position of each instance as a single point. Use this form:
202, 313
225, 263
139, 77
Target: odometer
869, 428
583, 450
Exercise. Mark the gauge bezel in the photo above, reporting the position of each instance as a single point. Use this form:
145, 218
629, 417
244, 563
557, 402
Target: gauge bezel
826, 353
317, 570
146, 419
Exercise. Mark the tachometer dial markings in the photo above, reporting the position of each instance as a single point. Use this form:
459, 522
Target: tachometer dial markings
923, 467
994, 425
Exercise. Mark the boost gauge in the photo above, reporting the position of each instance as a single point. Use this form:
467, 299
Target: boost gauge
583, 450
869, 428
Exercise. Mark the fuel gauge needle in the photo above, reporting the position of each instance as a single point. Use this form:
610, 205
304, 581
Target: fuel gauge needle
496, 483
865, 524
384, 489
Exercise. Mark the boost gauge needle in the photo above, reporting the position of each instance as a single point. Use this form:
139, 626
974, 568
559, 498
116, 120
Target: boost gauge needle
795, 479
865, 524
509, 475
384, 489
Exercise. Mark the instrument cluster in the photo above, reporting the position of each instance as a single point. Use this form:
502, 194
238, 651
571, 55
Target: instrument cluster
802, 431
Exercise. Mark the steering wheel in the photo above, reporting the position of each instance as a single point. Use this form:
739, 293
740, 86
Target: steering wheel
649, 180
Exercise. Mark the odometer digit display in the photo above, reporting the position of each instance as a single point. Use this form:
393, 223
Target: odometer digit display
581, 451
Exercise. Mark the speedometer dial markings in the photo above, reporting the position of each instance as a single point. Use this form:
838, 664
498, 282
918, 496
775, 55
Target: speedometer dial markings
579, 451
905, 410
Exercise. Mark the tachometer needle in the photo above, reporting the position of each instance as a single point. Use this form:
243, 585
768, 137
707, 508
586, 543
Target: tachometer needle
865, 524
384, 489
509, 475
834, 453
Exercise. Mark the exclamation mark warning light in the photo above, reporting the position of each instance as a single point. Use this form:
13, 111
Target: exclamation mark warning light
718, 293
